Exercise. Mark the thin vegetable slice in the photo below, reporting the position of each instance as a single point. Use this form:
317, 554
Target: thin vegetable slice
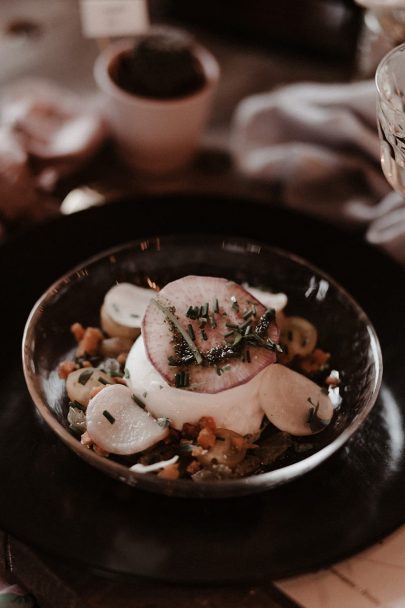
208, 334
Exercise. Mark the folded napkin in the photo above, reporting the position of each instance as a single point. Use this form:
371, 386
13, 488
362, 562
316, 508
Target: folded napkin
318, 145
46, 133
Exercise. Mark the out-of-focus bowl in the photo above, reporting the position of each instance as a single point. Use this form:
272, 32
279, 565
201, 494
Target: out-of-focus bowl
344, 330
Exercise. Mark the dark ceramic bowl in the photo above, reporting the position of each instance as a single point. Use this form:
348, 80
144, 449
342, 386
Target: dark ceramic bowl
344, 330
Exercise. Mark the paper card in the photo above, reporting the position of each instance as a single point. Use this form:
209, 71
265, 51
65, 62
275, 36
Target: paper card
108, 18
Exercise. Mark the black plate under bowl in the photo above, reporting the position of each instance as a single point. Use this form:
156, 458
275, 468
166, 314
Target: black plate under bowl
56, 502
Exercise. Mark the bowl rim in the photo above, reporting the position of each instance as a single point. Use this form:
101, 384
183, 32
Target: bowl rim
183, 487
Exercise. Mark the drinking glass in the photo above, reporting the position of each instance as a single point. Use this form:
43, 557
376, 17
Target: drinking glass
390, 83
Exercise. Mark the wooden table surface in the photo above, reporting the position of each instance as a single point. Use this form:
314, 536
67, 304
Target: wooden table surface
55, 49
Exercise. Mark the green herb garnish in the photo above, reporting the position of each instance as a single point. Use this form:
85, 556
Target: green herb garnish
191, 331
182, 380
85, 376
109, 416
103, 381
315, 422
171, 317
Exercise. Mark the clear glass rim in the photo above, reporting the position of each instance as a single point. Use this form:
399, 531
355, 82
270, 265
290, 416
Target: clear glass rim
398, 49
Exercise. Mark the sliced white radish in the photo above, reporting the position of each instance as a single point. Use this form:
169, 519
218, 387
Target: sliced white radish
290, 401
298, 335
278, 301
208, 334
236, 409
118, 425
123, 310
81, 382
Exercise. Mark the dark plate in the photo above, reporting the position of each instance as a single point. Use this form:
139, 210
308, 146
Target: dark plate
53, 500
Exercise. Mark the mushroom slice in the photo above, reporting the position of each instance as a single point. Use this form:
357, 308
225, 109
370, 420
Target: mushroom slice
293, 403
118, 425
123, 310
81, 382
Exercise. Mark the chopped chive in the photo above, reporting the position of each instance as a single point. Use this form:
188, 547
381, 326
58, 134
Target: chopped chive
172, 360
138, 401
126, 373
191, 331
216, 305
248, 314
227, 367
181, 380
114, 374
212, 321
134, 315
189, 312
85, 376
248, 330
170, 316
109, 416
204, 335
144, 395
232, 325
238, 338
218, 370
245, 324
103, 381
205, 310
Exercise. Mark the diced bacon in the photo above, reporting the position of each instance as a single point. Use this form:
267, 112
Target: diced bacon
65, 368
170, 472
90, 342
77, 330
206, 438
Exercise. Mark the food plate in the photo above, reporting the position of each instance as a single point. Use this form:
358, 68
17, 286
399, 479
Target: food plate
60, 504
343, 329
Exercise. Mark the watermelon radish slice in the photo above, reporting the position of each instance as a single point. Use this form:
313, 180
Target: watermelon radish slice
208, 334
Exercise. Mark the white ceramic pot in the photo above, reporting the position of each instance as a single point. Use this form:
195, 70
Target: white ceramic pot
153, 135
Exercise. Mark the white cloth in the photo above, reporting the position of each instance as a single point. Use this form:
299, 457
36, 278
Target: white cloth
318, 144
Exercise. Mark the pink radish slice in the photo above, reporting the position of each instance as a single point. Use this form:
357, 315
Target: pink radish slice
205, 368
